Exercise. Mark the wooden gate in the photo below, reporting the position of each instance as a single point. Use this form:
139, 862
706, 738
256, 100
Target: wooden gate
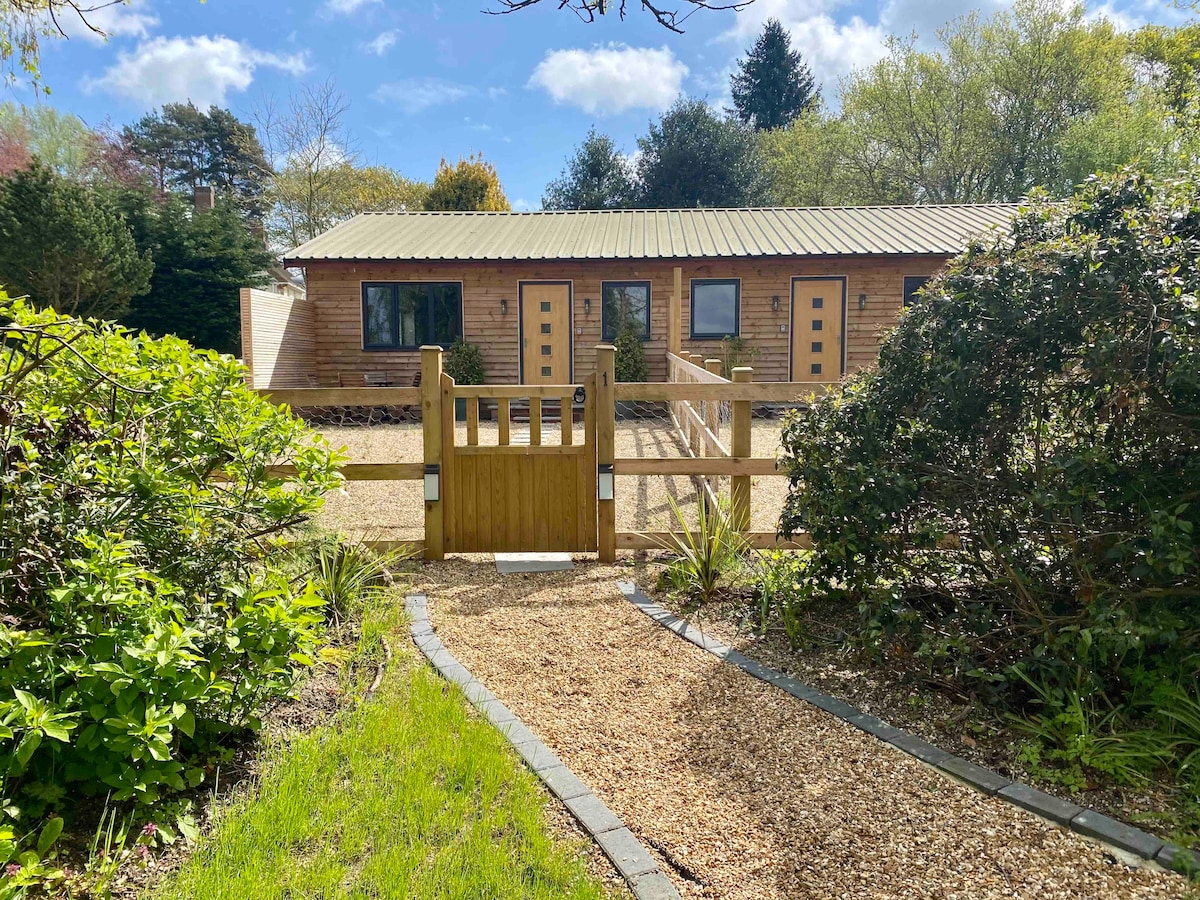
529, 492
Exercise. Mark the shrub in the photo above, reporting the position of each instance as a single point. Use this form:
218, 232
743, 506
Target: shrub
705, 556
464, 362
1038, 416
630, 359
144, 620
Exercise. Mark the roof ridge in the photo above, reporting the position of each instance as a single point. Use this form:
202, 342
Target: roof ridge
685, 209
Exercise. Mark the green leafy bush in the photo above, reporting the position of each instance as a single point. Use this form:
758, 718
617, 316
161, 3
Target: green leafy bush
144, 619
1017, 483
705, 555
464, 362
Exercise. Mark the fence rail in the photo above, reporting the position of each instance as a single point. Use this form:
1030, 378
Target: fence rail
710, 414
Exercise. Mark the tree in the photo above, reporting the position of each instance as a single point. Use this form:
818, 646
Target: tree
471, 185
999, 108
773, 85
201, 260
14, 154
320, 180
305, 203
597, 176
694, 157
805, 162
587, 10
185, 148
61, 141
66, 246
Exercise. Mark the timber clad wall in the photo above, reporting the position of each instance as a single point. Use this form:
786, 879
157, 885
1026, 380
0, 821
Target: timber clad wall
277, 339
334, 292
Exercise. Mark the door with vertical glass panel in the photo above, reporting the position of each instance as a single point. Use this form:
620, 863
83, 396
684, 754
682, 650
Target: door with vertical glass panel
545, 333
818, 313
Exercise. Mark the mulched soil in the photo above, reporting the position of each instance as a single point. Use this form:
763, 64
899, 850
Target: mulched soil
901, 694
741, 790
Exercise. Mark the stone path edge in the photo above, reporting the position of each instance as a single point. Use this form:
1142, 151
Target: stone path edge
632, 860
1068, 815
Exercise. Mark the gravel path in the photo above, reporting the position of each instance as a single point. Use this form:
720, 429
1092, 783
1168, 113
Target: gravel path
394, 510
743, 791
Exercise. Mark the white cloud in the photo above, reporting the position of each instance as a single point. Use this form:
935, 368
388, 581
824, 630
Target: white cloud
347, 7
416, 94
201, 69
611, 79
521, 205
836, 50
494, 92
384, 42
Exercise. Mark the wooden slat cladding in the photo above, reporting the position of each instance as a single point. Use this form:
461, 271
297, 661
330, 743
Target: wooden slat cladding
334, 288
277, 339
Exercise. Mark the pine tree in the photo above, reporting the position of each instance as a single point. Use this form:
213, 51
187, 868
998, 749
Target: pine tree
201, 260
773, 84
596, 177
66, 246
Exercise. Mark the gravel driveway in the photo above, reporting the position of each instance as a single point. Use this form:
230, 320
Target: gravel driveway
742, 790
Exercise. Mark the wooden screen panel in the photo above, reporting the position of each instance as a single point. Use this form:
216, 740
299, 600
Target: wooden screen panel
545, 333
522, 499
817, 312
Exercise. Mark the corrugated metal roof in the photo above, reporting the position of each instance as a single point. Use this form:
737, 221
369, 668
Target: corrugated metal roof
654, 233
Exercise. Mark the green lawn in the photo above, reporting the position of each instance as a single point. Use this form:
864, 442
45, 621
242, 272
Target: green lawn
409, 795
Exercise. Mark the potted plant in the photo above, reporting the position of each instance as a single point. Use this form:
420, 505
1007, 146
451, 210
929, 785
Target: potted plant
464, 363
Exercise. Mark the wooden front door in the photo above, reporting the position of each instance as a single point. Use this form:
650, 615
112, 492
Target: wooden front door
546, 332
818, 317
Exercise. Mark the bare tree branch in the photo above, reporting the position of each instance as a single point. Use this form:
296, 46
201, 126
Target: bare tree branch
587, 10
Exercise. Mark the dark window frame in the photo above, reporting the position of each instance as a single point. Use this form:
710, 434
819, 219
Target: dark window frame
394, 287
907, 298
737, 309
604, 286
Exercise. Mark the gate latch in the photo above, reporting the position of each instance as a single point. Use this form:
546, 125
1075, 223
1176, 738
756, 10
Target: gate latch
580, 395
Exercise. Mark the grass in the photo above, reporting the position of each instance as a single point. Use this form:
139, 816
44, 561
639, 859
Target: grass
407, 795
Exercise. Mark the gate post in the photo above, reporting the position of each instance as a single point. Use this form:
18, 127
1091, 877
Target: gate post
674, 314
431, 427
739, 446
606, 425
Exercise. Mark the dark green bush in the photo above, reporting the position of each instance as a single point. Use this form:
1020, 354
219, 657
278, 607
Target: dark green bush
464, 362
144, 622
1037, 415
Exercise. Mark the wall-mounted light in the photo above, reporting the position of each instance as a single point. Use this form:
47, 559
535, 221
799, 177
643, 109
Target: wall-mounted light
587, 306
503, 306
604, 482
775, 303
433, 483
862, 301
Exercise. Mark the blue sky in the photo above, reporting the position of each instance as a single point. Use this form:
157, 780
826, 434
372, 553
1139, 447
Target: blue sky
427, 80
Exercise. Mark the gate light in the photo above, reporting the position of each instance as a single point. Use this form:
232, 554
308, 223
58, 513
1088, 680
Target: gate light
604, 482
433, 483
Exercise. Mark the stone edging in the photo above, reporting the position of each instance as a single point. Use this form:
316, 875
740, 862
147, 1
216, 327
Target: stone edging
1068, 815
631, 859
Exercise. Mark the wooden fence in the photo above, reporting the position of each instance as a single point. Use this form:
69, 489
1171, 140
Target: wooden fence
695, 395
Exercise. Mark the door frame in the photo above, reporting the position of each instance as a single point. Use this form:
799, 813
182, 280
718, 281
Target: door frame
570, 326
792, 318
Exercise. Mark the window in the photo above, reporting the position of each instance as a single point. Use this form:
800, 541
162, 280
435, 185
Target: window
625, 300
818, 325
716, 307
816, 369
912, 284
818, 302
405, 315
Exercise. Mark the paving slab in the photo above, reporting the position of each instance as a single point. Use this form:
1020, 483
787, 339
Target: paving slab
519, 563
